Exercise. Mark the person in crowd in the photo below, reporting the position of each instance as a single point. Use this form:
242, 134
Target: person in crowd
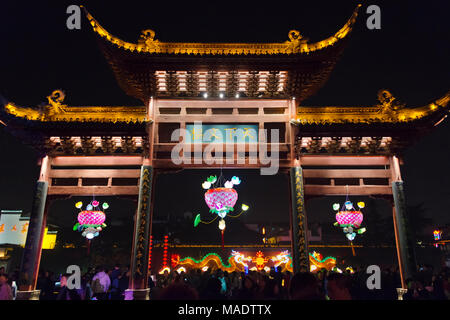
248, 289
124, 281
304, 286
179, 291
5, 288
65, 293
338, 286
212, 289
46, 285
100, 284
115, 293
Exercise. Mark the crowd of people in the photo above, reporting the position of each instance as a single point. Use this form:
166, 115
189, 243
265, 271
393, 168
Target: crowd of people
110, 284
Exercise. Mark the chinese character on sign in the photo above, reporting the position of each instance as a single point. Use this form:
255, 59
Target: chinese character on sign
25, 227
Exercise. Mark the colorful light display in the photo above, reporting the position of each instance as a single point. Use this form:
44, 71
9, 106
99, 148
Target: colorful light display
150, 246
92, 220
350, 219
220, 200
240, 262
317, 262
437, 236
166, 245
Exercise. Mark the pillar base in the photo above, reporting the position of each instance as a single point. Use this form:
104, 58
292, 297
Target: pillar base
137, 294
401, 292
28, 295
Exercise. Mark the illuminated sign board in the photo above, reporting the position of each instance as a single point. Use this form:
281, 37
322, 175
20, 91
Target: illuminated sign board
14, 229
222, 133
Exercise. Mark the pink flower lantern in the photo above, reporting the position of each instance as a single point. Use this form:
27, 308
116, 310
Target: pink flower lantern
91, 217
349, 218
90, 221
221, 200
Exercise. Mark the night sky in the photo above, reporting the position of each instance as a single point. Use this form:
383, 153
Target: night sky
409, 56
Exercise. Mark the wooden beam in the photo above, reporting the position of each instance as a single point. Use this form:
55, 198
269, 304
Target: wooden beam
312, 160
352, 190
95, 173
222, 118
266, 103
167, 163
346, 173
97, 161
237, 146
90, 190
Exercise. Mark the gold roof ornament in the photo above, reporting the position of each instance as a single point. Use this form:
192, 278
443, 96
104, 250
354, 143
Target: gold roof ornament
389, 110
295, 45
58, 112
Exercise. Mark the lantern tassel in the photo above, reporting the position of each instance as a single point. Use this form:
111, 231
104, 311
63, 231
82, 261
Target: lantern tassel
353, 249
223, 244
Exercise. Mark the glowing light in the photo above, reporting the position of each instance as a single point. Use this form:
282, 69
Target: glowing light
205, 268
222, 224
221, 95
266, 269
95, 203
437, 235
361, 231
206, 185
235, 180
166, 244
237, 95
91, 218
105, 206
350, 236
212, 179
348, 218
224, 197
89, 207
197, 220
89, 235
312, 268
164, 269
78, 205
244, 207
348, 205
205, 95
229, 184
181, 269
336, 206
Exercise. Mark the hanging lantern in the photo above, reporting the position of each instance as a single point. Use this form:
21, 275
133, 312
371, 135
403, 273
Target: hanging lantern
221, 200
350, 219
90, 222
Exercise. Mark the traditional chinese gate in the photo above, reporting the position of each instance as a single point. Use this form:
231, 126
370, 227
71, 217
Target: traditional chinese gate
119, 150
